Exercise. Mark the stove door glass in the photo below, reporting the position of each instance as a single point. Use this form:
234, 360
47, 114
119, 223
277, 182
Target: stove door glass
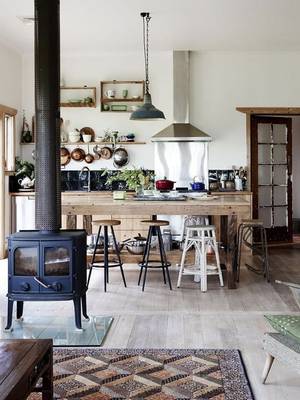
26, 261
57, 261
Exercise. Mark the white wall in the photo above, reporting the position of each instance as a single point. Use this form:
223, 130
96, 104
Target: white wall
90, 70
10, 95
11, 79
222, 81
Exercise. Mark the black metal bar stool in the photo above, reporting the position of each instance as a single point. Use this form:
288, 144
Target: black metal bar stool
106, 264
248, 232
154, 230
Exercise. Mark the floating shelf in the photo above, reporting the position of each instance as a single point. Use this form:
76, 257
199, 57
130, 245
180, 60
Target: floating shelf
92, 143
100, 143
74, 90
114, 100
133, 88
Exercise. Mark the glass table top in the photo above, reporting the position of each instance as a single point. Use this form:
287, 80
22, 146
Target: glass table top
61, 329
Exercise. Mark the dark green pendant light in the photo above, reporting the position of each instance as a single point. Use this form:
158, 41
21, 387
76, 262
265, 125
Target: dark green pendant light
147, 110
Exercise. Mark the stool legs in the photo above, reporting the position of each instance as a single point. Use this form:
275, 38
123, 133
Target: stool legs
244, 236
203, 264
118, 255
216, 251
106, 264
144, 256
163, 258
147, 256
94, 255
105, 258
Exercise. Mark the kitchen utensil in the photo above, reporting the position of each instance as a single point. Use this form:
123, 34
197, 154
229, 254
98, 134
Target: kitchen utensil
120, 157
164, 184
229, 185
87, 131
96, 150
197, 186
214, 185
106, 152
136, 245
78, 154
26, 182
110, 93
65, 156
86, 138
74, 136
89, 158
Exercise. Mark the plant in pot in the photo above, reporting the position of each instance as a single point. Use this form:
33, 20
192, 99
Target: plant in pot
137, 179
24, 174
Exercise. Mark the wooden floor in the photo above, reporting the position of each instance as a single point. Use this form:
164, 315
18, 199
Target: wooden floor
187, 318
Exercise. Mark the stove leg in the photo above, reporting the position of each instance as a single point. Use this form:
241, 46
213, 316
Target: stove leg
10, 306
77, 309
20, 305
84, 310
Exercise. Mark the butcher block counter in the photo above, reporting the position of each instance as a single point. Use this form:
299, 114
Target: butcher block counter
227, 210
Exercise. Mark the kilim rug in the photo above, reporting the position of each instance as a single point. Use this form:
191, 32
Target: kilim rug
102, 374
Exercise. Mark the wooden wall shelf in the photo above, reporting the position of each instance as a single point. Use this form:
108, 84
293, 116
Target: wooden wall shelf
100, 143
133, 88
77, 93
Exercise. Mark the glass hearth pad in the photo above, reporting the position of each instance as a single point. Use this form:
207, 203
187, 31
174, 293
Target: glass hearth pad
61, 329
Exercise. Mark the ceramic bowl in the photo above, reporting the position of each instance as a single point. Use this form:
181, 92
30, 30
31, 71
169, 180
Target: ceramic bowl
86, 138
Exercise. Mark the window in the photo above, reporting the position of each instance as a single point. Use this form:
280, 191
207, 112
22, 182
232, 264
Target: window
7, 137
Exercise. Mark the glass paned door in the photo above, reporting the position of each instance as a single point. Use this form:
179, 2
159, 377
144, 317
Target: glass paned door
271, 175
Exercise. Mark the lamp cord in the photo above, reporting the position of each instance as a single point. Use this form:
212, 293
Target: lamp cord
146, 20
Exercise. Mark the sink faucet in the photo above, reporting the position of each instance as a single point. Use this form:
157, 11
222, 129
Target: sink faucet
86, 169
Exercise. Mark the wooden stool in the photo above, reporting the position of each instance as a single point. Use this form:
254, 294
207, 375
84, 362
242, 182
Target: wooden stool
246, 229
106, 264
201, 237
154, 229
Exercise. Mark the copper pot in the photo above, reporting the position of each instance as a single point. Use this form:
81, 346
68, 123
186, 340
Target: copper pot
64, 156
78, 154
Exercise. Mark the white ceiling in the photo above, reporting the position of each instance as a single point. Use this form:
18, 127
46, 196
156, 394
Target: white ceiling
91, 26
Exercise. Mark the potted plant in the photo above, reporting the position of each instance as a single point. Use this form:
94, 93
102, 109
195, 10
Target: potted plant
136, 179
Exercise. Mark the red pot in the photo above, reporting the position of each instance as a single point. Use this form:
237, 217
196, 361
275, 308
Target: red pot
164, 184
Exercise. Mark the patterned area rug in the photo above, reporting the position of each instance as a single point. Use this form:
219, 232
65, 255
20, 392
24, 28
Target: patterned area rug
100, 374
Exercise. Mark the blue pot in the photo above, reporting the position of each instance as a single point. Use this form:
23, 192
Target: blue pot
198, 186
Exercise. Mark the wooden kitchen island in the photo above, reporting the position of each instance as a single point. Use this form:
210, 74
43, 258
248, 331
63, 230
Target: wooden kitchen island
231, 208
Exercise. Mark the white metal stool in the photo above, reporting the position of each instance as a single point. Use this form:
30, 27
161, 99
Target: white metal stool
202, 237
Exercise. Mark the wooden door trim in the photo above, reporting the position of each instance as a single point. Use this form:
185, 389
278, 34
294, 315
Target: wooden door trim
269, 110
284, 120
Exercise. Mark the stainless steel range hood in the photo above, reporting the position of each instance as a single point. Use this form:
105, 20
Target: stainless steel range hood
181, 130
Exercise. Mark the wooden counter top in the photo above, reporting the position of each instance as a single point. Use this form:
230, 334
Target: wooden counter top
93, 204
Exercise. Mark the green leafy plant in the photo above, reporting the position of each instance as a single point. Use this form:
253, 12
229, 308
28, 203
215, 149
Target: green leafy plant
24, 168
134, 178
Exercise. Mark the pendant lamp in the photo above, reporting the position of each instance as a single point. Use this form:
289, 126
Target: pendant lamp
147, 110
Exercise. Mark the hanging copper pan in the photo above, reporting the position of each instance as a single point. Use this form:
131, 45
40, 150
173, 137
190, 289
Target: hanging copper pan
78, 154
65, 156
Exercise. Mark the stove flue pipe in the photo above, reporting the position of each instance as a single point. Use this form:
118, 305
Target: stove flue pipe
47, 114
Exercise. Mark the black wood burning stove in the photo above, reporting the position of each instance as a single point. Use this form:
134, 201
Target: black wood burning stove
48, 263
48, 266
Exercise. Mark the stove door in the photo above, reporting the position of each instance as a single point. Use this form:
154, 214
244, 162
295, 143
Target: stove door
23, 267
56, 267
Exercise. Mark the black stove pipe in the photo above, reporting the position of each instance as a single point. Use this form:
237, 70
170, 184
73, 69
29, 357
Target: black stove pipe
47, 114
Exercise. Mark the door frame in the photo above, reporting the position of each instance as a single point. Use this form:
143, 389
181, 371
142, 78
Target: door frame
287, 120
4, 110
261, 111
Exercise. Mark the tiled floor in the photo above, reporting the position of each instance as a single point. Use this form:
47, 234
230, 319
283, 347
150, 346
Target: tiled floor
187, 318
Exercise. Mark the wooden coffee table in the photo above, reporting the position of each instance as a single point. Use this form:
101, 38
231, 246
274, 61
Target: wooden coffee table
22, 363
